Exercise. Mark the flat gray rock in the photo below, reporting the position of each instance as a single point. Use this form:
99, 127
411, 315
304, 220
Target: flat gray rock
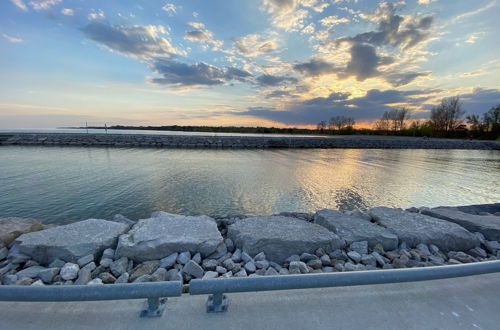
354, 229
280, 237
414, 228
488, 225
70, 242
160, 236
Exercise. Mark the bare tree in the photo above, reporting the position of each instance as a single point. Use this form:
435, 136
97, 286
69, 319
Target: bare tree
447, 116
339, 122
393, 120
321, 126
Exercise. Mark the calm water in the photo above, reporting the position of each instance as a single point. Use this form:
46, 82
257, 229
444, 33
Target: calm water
64, 184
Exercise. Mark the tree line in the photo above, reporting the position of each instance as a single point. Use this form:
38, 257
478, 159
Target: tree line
446, 120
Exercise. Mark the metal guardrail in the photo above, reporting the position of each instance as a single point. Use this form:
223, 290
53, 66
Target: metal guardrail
155, 293
218, 302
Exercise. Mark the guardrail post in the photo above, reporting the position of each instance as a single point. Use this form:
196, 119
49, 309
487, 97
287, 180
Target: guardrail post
154, 307
217, 303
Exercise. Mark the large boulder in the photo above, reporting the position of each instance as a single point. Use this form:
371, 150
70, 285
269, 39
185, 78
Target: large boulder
354, 229
164, 234
415, 228
280, 237
11, 228
70, 242
488, 225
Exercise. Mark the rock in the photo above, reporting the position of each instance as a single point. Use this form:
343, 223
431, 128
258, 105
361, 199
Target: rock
143, 278
350, 267
246, 257
30, 272
480, 237
90, 266
108, 254
9, 279
229, 264
100, 269
69, 271
85, 260
275, 266
271, 272
378, 258
106, 262
184, 257
3, 253
492, 246
38, 283
95, 281
197, 258
424, 249
355, 256
241, 273
169, 261
107, 278
368, 260
122, 219
325, 260
47, 275
353, 228
84, 276
294, 257
17, 257
305, 257
461, 256
320, 252
210, 275
119, 266
193, 269
315, 264
282, 237
159, 275
146, 268
158, 237
259, 272
122, 279
262, 264
284, 271
229, 245
236, 255
70, 242
488, 225
328, 269
220, 270
219, 252
360, 247
260, 256
209, 264
299, 266
25, 281
477, 252
416, 228
174, 275
435, 260
58, 263
228, 275
250, 267
11, 228
433, 249
400, 262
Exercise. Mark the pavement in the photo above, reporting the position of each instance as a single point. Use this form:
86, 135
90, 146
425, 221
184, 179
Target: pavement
461, 303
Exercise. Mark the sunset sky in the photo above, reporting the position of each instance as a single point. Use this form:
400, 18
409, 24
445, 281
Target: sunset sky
242, 62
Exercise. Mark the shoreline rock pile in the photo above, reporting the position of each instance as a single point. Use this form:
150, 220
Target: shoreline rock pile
169, 247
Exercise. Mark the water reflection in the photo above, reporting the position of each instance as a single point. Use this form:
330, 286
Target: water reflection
64, 184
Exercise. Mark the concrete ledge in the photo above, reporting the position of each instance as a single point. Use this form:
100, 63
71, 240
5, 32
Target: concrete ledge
240, 142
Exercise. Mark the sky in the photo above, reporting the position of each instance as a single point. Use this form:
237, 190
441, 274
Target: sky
282, 63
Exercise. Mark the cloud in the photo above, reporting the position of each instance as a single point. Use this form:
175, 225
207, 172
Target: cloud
202, 35
316, 5
96, 15
460, 17
254, 45
170, 8
425, 2
331, 21
397, 79
135, 41
278, 94
67, 12
480, 100
43, 4
365, 108
178, 74
20, 4
315, 67
267, 80
285, 14
14, 40
364, 62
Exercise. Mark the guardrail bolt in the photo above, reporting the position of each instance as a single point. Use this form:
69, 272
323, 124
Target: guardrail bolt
154, 307
217, 303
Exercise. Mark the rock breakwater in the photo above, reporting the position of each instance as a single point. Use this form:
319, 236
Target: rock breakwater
168, 247
240, 142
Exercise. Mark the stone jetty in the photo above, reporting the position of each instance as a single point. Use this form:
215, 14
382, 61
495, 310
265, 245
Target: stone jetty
170, 247
240, 142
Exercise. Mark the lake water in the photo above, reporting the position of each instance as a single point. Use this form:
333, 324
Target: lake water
65, 184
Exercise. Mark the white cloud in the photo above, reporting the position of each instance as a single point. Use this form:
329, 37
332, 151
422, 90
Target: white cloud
331, 21
20, 4
67, 12
316, 5
96, 15
254, 45
473, 37
286, 14
474, 12
170, 8
425, 2
43, 4
12, 39
196, 25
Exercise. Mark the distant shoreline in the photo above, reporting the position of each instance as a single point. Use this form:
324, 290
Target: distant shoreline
241, 142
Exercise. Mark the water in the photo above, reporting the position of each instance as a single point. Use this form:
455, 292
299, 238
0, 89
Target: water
65, 184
